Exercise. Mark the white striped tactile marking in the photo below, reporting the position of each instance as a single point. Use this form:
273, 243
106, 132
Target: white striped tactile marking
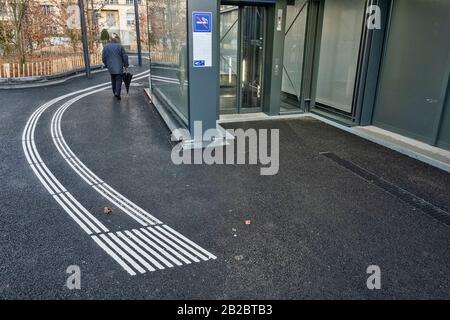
74, 209
141, 250
151, 248
134, 211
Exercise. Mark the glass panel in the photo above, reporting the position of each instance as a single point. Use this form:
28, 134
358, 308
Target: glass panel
339, 49
169, 54
294, 46
229, 27
253, 23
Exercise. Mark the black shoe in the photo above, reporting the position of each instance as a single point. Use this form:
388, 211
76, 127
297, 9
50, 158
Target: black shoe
118, 97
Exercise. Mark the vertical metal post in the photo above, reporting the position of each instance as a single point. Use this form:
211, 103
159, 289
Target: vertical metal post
84, 38
204, 81
138, 31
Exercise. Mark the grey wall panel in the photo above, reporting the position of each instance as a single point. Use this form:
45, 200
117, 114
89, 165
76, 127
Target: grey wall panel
373, 53
444, 133
411, 92
274, 59
204, 81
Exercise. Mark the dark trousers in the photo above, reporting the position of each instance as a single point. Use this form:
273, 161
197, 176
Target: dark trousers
116, 82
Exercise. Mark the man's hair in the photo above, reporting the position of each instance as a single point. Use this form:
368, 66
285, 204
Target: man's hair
115, 38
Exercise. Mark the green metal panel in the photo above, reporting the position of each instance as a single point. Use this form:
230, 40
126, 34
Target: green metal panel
312, 52
414, 76
370, 71
274, 58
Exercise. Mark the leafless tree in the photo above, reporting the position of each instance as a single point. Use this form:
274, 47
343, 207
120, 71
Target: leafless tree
16, 11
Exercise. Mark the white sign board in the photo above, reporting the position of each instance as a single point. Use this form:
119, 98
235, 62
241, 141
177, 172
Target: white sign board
202, 39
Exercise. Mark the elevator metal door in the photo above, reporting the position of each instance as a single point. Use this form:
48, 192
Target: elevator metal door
242, 54
252, 58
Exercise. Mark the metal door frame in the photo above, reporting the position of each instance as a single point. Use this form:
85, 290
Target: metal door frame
239, 109
300, 105
240, 53
238, 74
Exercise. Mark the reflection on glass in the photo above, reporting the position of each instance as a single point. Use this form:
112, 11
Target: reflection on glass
168, 51
229, 26
294, 46
253, 23
339, 49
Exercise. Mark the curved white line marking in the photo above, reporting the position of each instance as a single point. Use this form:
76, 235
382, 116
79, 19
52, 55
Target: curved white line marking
130, 208
127, 250
45, 176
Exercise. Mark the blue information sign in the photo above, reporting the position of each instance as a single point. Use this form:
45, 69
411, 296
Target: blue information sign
199, 63
202, 21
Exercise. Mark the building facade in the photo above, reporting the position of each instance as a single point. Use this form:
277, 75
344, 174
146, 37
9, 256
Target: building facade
384, 63
117, 16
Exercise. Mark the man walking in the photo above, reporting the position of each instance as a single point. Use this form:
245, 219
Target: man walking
115, 59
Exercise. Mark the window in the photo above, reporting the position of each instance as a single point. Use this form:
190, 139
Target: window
339, 50
131, 2
111, 20
130, 18
47, 9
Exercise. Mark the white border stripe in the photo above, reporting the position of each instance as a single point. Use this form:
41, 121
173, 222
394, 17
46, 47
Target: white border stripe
143, 237
114, 256
120, 206
126, 203
125, 206
131, 203
131, 251
136, 212
198, 254
59, 186
73, 164
24, 146
173, 244
142, 252
126, 245
209, 254
122, 254
79, 214
44, 183
87, 213
165, 253
47, 180
74, 217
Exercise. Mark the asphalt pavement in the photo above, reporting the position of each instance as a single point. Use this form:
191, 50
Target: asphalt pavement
315, 226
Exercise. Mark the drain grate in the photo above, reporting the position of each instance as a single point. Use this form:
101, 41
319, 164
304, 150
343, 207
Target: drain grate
402, 194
